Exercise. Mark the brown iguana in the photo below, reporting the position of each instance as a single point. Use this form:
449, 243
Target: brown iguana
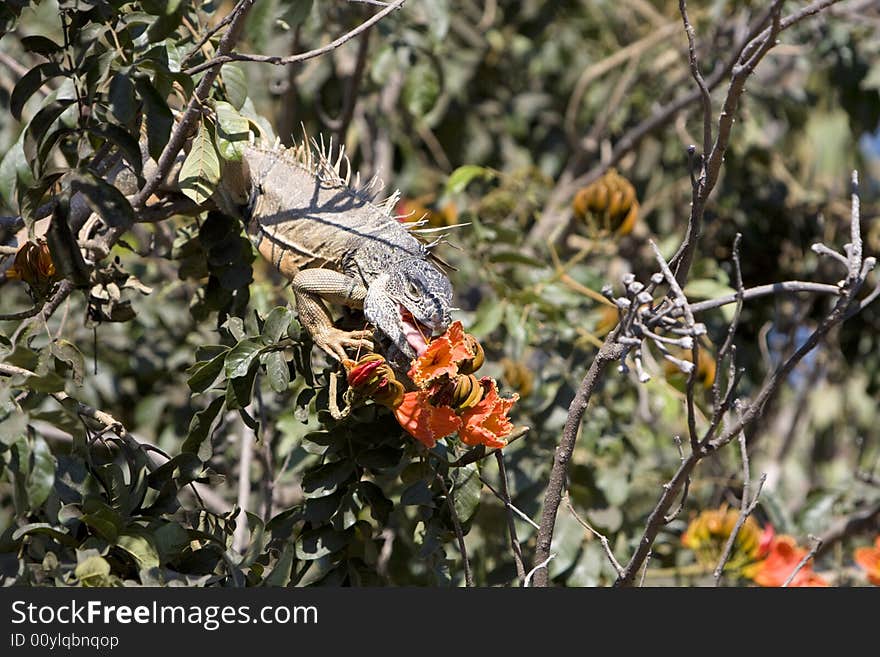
337, 244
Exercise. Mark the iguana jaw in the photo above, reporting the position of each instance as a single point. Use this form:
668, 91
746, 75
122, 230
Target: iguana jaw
413, 331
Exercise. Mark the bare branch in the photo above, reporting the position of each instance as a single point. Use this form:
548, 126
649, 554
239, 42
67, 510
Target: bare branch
817, 543
610, 352
225, 57
705, 98
459, 534
602, 538
747, 506
511, 525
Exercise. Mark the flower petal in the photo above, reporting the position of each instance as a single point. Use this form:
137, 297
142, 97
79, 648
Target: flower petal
424, 421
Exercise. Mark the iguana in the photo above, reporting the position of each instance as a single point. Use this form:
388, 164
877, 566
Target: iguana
328, 234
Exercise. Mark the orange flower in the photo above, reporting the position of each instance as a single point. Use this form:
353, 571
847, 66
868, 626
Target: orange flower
443, 356
487, 422
868, 558
424, 421
782, 559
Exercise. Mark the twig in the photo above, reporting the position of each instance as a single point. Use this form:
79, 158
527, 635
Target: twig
610, 352
786, 287
541, 567
240, 538
224, 57
511, 525
24, 314
211, 32
602, 538
63, 291
866, 519
459, 534
351, 89
817, 543
747, 506
705, 98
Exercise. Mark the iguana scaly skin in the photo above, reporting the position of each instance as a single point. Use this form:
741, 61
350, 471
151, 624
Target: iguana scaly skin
337, 244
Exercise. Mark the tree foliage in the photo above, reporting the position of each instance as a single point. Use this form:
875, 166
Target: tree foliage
164, 419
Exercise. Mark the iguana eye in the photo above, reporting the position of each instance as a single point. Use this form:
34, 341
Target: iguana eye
412, 289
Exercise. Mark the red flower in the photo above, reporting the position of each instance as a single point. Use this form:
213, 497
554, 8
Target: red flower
372, 377
487, 422
868, 559
783, 557
424, 421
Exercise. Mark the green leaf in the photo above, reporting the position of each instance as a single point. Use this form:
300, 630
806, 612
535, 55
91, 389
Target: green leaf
15, 172
417, 493
278, 372
159, 118
46, 529
28, 85
121, 97
240, 390
236, 85
13, 427
67, 352
200, 172
103, 198
320, 542
466, 491
40, 45
41, 477
326, 479
140, 547
421, 89
297, 12
233, 131
280, 574
463, 176
203, 374
94, 571
380, 458
102, 518
276, 325
49, 383
128, 145
200, 430
44, 119
241, 357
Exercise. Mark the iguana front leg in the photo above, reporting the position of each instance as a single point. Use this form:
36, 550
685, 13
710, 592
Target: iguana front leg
312, 287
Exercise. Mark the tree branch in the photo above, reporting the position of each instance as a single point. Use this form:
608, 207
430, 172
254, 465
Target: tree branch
224, 57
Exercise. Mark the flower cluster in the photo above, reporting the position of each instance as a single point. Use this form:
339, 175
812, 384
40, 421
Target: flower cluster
451, 399
448, 399
761, 555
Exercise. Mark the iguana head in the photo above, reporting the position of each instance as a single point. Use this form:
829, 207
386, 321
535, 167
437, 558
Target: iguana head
409, 302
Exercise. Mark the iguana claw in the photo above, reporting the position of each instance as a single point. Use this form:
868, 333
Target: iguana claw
335, 341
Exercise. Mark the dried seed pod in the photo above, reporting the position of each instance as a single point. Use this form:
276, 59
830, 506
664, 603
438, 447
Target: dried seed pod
471, 365
467, 392
389, 393
608, 205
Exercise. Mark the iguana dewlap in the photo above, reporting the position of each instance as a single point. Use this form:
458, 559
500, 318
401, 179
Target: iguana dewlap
338, 245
